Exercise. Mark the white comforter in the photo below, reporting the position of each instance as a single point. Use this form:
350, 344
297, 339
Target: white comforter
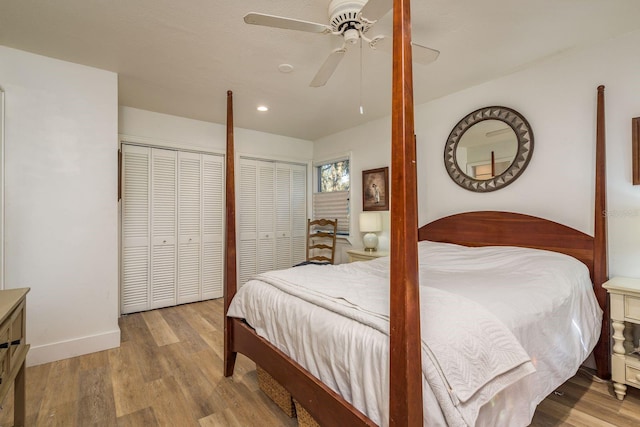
334, 321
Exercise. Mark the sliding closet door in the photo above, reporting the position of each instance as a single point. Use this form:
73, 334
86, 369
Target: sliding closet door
135, 228
283, 216
257, 218
163, 228
172, 227
291, 214
189, 226
272, 216
266, 216
212, 226
298, 214
248, 220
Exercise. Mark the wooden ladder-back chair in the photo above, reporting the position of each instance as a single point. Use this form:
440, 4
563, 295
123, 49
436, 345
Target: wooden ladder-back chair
321, 241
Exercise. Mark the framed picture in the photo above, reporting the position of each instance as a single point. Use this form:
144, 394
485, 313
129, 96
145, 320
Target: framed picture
375, 189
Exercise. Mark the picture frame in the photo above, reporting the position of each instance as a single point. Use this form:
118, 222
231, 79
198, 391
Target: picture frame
375, 189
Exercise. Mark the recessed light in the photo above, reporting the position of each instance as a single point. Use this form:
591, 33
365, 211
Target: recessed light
285, 68
262, 108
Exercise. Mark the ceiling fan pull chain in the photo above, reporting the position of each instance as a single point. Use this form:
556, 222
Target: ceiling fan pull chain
361, 74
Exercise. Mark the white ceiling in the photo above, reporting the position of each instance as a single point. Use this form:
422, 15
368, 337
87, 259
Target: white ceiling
180, 57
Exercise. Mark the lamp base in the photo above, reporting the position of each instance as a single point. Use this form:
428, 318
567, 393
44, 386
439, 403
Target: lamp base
370, 241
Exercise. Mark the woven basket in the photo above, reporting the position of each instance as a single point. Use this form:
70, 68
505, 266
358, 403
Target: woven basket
276, 392
304, 418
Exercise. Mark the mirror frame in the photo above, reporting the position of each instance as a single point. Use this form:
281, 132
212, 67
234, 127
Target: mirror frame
524, 135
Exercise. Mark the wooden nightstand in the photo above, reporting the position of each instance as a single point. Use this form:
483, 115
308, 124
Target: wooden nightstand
624, 296
13, 349
362, 255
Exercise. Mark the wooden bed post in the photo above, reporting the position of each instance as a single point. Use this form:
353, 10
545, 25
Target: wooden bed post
600, 270
405, 375
230, 277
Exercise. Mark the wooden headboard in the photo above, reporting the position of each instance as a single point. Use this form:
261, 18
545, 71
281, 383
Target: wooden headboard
491, 228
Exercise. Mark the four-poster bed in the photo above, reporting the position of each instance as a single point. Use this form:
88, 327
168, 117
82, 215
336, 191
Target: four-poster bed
471, 229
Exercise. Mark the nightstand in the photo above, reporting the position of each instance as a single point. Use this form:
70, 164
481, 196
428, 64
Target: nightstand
362, 255
624, 297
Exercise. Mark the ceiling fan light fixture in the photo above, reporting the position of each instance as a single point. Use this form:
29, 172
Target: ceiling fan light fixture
351, 36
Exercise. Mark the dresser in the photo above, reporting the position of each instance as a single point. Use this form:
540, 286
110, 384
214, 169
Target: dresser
13, 349
362, 255
624, 298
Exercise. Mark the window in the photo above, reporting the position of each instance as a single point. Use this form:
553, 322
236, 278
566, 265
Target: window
334, 176
332, 191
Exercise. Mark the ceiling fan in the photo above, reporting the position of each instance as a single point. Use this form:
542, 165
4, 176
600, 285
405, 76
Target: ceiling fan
351, 20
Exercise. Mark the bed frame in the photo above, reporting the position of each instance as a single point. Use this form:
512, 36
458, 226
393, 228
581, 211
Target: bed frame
472, 229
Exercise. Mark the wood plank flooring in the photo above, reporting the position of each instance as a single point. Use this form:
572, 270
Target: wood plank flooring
168, 372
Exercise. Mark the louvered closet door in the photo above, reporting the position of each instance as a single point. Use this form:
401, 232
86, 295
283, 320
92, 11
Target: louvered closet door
212, 226
283, 216
298, 213
189, 226
248, 220
272, 216
266, 216
163, 227
135, 229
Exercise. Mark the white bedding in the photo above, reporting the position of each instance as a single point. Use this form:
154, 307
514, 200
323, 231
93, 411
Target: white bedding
543, 298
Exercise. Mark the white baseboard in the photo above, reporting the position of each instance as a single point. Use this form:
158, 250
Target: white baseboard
76, 347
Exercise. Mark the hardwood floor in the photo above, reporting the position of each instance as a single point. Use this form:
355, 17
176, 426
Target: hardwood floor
583, 402
168, 372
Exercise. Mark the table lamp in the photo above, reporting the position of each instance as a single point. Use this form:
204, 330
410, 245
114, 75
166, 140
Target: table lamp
370, 223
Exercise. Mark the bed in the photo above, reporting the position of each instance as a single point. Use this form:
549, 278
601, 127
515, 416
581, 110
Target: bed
503, 325
476, 229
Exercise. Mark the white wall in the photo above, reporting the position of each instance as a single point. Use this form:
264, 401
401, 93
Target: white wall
558, 98
370, 148
60, 202
188, 133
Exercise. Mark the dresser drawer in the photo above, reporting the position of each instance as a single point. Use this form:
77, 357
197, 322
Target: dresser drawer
633, 376
17, 328
13, 349
632, 307
4, 333
4, 365
4, 352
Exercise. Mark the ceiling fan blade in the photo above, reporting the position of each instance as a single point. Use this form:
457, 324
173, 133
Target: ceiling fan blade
376, 9
420, 54
329, 66
285, 23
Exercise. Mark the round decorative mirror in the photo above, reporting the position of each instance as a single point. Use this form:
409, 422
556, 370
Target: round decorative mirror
488, 149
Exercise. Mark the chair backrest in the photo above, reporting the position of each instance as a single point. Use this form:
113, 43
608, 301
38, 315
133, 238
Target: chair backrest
321, 240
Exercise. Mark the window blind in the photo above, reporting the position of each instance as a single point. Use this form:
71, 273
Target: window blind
330, 205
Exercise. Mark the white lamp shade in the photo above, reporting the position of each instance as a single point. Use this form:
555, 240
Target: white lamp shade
370, 222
